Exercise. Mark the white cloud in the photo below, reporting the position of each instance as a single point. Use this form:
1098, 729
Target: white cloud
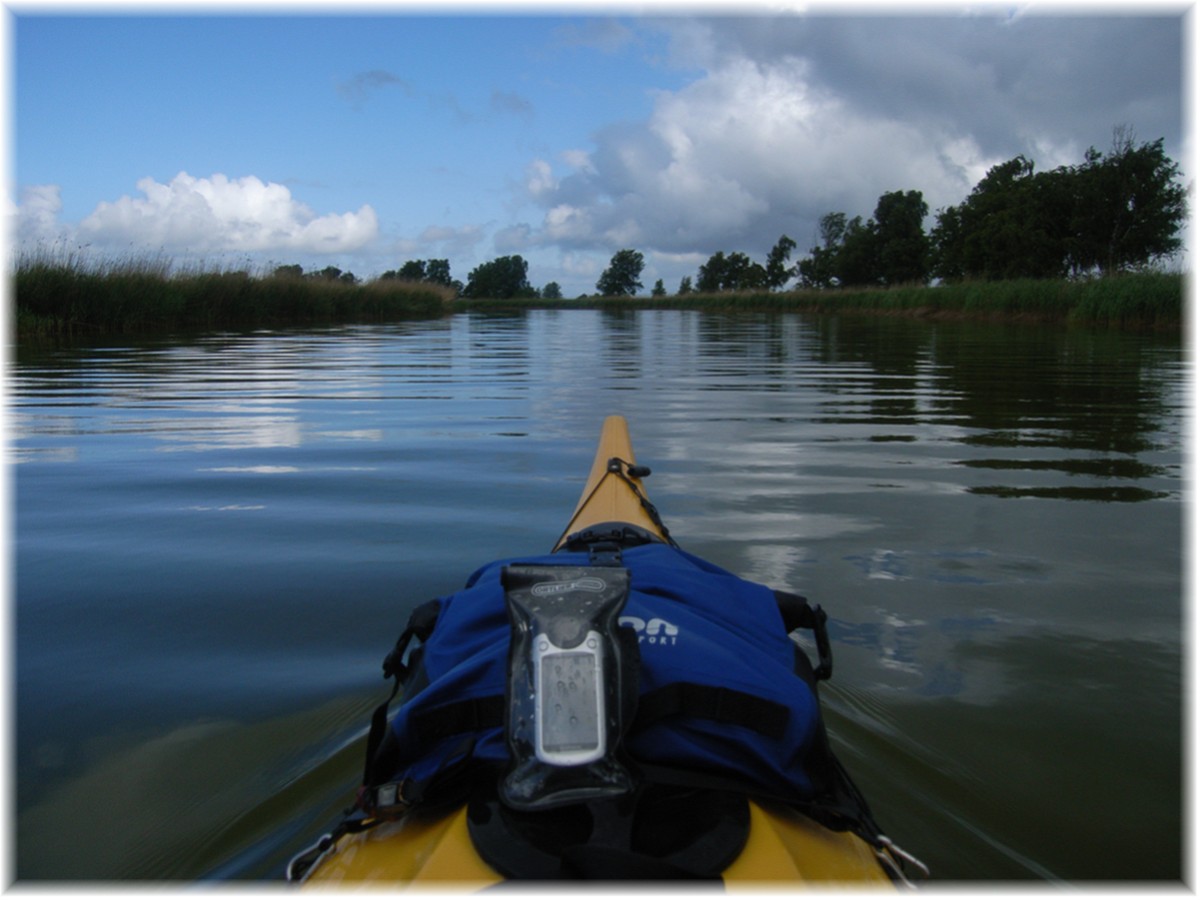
749, 151
37, 215
217, 214
792, 117
539, 180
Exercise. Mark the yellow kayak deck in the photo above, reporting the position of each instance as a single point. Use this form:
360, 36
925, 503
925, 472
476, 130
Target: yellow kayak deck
421, 852
612, 493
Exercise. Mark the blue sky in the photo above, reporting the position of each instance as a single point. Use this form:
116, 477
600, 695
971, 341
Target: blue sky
363, 141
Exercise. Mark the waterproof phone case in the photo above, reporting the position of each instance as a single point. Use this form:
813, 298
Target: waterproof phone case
565, 684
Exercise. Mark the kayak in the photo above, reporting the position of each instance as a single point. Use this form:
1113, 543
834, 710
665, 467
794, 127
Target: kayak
429, 848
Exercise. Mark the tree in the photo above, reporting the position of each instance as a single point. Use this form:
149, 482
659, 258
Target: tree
778, 271
946, 245
744, 274
817, 269
1130, 206
712, 273
413, 270
685, 285
658, 290
437, 271
333, 273
622, 277
735, 272
500, 279
1013, 225
434, 271
292, 271
552, 291
902, 246
856, 262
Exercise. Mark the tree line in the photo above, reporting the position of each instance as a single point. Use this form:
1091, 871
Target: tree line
1115, 212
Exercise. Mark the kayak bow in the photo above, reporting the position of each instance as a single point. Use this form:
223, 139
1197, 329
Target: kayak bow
428, 849
613, 496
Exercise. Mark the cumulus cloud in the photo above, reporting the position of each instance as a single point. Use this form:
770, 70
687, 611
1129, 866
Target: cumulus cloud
796, 116
746, 153
1011, 82
219, 214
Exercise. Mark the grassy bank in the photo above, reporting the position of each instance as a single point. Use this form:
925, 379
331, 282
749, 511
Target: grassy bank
1152, 300
57, 298
61, 298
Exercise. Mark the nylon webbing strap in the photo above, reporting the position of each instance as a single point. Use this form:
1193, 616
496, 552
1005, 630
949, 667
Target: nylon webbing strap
700, 701
718, 704
421, 622
477, 714
798, 614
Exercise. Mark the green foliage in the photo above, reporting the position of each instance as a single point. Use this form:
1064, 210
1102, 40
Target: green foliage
431, 271
658, 290
552, 291
735, 272
778, 271
890, 249
1007, 227
899, 235
1115, 213
500, 279
70, 296
1133, 301
818, 269
1130, 207
333, 273
622, 278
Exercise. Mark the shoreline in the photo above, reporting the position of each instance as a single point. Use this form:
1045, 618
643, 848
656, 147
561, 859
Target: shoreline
59, 302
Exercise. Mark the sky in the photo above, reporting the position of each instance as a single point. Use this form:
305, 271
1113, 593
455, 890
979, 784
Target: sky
304, 135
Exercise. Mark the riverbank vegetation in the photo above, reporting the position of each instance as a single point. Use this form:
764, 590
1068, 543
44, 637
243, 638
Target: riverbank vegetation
1149, 300
66, 295
56, 300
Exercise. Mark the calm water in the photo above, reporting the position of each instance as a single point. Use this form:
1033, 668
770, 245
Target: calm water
217, 540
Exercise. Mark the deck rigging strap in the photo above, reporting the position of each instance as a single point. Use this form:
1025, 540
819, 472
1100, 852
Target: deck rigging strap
626, 471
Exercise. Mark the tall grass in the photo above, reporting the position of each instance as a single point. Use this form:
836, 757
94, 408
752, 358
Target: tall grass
65, 294
1144, 300
68, 295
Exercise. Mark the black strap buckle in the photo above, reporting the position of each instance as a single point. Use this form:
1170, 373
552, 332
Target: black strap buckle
604, 553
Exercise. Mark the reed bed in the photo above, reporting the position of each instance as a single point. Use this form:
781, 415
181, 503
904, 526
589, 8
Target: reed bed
69, 296
1143, 300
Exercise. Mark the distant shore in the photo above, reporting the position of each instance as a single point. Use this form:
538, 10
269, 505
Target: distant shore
57, 301
1134, 301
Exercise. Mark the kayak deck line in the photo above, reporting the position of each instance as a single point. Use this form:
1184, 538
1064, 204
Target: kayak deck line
613, 493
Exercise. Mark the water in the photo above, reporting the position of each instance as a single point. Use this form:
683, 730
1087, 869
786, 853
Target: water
218, 539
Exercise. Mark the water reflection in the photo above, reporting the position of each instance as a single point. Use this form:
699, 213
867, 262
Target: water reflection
229, 530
